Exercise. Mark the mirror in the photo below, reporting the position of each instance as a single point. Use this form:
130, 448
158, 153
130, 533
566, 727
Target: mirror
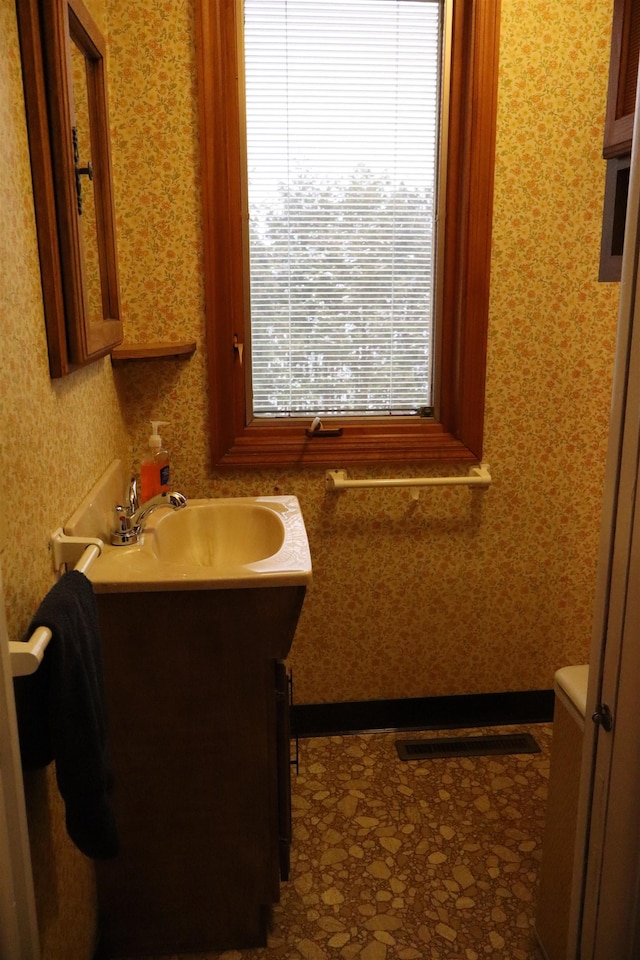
86, 203
63, 61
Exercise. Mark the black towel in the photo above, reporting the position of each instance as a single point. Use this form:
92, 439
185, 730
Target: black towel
61, 714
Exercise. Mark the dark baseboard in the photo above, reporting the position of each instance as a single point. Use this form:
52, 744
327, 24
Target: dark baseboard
422, 713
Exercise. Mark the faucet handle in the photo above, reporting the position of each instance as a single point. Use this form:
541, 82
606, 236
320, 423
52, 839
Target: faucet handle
123, 533
132, 496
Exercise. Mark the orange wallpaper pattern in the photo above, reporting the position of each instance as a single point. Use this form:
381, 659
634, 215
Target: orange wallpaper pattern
56, 438
455, 593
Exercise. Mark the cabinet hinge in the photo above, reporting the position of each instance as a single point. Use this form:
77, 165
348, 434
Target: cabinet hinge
603, 717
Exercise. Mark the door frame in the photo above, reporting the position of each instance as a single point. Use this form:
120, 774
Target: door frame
18, 922
605, 890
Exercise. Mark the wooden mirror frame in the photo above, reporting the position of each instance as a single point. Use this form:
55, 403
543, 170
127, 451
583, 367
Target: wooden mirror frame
47, 29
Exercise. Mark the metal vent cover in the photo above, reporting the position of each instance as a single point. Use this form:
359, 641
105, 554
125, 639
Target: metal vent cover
478, 746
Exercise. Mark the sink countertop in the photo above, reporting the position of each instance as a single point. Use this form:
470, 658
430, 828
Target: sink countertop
138, 568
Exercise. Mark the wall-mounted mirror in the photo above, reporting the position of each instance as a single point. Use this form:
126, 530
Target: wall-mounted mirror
63, 62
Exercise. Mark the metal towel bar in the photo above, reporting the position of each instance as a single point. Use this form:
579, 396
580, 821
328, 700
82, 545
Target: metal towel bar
478, 476
27, 656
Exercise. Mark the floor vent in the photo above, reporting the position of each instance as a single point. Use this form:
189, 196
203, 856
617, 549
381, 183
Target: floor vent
489, 745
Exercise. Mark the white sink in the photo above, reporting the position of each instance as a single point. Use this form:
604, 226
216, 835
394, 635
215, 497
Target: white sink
211, 544
218, 533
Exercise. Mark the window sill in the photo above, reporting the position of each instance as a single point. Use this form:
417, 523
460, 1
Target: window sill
288, 445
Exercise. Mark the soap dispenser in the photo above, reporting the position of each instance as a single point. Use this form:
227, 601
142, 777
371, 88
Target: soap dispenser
154, 469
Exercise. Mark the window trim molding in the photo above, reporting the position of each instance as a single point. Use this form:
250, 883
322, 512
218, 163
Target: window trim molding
457, 433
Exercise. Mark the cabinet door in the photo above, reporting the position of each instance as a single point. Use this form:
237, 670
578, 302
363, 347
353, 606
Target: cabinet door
616, 193
623, 75
283, 727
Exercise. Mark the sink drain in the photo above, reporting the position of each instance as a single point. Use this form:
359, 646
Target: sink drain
479, 746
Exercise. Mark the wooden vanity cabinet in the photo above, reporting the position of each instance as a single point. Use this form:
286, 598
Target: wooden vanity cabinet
197, 700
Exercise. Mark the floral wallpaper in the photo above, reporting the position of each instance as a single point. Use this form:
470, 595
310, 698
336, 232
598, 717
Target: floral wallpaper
57, 435
457, 592
56, 438
485, 591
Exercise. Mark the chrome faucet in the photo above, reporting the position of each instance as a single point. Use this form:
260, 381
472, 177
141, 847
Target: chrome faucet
132, 518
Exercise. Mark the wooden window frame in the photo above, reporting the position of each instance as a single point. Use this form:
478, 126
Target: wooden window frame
455, 433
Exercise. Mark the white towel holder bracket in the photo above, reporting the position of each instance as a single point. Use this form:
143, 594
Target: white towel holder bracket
67, 551
71, 552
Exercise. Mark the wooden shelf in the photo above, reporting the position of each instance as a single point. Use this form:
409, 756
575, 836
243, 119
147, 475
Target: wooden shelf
152, 351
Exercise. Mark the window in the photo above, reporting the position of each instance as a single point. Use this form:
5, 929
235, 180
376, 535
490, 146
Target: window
344, 325
342, 103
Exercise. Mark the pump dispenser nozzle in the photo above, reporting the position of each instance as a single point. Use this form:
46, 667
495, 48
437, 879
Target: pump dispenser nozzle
155, 440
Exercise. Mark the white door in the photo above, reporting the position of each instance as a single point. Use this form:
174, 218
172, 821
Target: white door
606, 888
18, 926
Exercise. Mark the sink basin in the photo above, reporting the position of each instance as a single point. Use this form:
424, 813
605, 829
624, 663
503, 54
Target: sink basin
211, 544
218, 534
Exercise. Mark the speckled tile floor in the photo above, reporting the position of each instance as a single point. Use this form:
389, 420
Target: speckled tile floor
396, 860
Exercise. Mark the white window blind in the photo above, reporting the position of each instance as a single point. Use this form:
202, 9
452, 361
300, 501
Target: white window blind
342, 105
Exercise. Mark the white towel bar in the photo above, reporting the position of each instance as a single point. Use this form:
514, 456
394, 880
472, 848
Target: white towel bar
27, 656
477, 477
